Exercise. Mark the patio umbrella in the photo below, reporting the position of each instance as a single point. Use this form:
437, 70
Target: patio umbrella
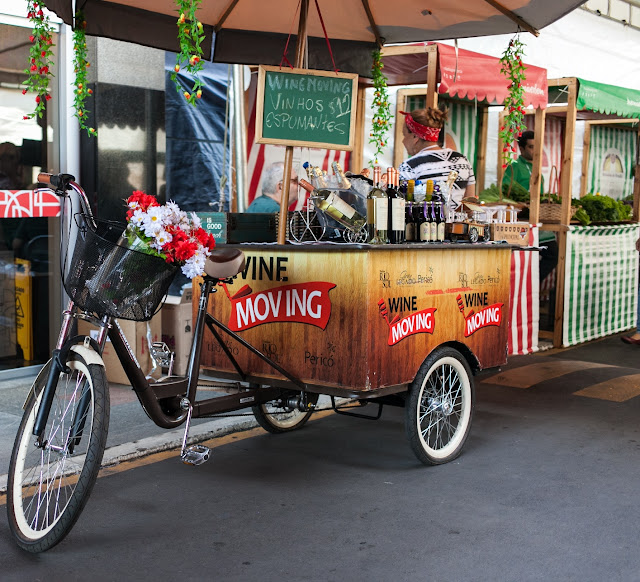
256, 31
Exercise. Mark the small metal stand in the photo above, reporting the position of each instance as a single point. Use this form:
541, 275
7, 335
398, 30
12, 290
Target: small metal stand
195, 454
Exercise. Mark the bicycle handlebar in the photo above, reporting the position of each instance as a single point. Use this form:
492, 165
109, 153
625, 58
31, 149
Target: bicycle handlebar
58, 181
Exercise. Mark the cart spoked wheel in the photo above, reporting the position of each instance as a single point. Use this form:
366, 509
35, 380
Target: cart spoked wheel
486, 234
276, 417
359, 236
473, 234
439, 407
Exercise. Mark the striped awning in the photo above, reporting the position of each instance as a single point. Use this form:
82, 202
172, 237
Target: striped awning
601, 282
608, 99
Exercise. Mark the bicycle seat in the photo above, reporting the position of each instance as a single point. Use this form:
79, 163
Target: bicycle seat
223, 263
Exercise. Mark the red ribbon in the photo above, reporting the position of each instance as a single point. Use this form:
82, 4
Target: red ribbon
422, 131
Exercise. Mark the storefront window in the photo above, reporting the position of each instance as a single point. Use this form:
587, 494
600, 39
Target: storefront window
27, 230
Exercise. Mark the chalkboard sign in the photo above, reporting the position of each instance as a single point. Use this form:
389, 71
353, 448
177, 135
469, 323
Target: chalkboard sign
302, 107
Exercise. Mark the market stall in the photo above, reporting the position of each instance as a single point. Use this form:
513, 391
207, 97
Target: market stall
595, 279
467, 83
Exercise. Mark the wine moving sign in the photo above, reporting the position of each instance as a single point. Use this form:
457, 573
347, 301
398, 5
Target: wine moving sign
361, 318
306, 108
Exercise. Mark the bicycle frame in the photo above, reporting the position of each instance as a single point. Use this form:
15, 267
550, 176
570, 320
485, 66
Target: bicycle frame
167, 401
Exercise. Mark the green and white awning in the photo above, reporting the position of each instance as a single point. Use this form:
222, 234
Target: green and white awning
608, 99
601, 282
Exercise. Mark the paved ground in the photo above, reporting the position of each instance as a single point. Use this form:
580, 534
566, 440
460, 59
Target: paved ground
546, 489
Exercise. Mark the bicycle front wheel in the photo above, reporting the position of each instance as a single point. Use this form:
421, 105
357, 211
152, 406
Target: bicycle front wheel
49, 483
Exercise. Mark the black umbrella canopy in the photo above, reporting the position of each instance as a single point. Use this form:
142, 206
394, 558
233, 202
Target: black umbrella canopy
255, 31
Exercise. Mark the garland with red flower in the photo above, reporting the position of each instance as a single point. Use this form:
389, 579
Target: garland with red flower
190, 37
513, 69
381, 108
81, 90
40, 58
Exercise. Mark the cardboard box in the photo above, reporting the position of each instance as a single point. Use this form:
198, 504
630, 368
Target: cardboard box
136, 334
7, 305
177, 328
516, 233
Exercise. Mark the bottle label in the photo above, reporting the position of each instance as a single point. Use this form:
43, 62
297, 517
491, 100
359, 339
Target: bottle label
397, 214
441, 231
410, 231
425, 231
382, 209
339, 204
433, 231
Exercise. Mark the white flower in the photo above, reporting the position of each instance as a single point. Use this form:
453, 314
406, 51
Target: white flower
152, 229
138, 217
196, 223
194, 266
160, 239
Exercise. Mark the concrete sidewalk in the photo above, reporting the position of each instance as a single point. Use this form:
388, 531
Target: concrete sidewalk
131, 432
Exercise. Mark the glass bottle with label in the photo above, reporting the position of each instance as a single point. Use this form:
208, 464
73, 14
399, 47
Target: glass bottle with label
410, 230
330, 202
395, 208
377, 209
429, 190
440, 221
343, 181
425, 223
411, 185
433, 230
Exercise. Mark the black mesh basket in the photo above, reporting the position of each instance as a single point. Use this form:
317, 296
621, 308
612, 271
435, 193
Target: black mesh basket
105, 277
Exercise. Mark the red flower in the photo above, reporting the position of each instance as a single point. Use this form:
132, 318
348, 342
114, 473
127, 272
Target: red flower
32, 38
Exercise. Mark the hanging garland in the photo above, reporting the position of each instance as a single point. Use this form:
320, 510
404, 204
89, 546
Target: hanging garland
40, 58
80, 65
190, 37
513, 69
381, 108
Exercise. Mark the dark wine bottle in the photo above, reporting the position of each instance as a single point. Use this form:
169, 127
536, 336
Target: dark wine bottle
395, 208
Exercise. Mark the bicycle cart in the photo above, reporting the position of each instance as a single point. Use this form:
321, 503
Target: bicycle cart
405, 326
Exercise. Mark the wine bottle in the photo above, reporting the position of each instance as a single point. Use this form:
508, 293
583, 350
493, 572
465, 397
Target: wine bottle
372, 234
381, 212
425, 223
440, 220
330, 202
410, 223
343, 181
411, 186
433, 230
395, 208
429, 190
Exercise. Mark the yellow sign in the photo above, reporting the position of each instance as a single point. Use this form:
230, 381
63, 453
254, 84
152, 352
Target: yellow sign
24, 314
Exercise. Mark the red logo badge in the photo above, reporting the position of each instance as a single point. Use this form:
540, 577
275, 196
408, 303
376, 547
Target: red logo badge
399, 328
301, 303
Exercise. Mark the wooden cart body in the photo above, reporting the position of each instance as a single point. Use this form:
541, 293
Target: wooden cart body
357, 320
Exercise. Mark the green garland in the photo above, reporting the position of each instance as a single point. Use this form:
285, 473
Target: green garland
190, 37
381, 108
80, 65
513, 69
40, 58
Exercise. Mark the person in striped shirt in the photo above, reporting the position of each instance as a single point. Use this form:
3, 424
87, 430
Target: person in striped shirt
422, 137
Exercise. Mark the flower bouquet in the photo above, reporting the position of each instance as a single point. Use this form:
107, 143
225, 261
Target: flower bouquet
132, 276
167, 232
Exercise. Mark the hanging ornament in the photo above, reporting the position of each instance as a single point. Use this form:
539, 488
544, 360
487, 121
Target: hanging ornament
513, 69
81, 88
40, 58
381, 108
189, 59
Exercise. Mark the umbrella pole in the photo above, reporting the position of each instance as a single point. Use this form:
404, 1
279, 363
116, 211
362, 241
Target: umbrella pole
288, 154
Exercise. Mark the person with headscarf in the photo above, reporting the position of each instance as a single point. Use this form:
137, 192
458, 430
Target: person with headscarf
422, 138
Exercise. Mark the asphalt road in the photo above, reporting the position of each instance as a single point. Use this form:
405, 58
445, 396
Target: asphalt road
546, 489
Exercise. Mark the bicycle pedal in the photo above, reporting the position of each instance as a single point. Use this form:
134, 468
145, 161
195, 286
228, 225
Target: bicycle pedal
195, 455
